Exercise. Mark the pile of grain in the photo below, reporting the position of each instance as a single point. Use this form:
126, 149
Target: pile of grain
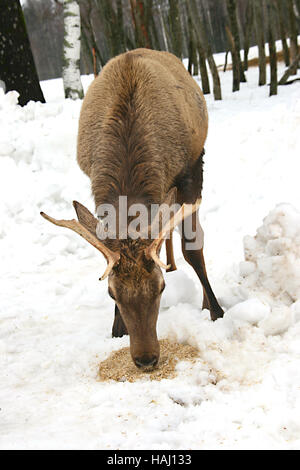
120, 367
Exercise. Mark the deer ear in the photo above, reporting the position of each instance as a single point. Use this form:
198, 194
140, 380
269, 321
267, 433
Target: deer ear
85, 217
85, 226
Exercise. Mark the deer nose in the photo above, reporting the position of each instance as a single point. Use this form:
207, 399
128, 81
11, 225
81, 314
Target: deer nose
146, 361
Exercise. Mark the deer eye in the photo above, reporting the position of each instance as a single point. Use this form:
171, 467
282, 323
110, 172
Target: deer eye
111, 294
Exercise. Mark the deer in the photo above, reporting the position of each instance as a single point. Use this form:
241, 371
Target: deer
142, 128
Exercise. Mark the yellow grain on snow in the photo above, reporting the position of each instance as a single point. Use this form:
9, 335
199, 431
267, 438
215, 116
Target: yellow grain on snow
120, 367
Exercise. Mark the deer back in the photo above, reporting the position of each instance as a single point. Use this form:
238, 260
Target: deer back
143, 121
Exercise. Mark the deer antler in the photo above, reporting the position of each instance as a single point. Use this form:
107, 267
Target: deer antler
152, 250
111, 257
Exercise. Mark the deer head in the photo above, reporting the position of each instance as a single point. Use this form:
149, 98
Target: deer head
135, 280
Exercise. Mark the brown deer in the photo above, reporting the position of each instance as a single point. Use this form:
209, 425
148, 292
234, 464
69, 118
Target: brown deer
142, 129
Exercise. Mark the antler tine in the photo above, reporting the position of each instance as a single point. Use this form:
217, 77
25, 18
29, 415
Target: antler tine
153, 254
185, 211
111, 257
109, 267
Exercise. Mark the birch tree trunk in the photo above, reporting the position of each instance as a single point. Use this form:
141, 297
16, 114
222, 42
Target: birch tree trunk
71, 52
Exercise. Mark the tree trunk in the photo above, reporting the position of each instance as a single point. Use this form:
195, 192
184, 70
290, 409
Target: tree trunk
297, 5
153, 29
175, 28
293, 34
203, 71
272, 46
89, 46
235, 62
198, 48
138, 12
202, 39
231, 8
113, 27
71, 52
163, 28
192, 46
120, 27
259, 27
248, 31
17, 67
226, 60
289, 72
281, 15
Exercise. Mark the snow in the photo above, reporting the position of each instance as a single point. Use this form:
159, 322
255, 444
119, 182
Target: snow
56, 317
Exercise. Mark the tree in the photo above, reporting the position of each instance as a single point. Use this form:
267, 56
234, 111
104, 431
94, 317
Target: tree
260, 37
282, 29
293, 34
93, 58
45, 26
175, 28
113, 26
248, 30
289, 72
235, 42
192, 45
17, 67
140, 17
71, 51
195, 46
235, 62
199, 29
272, 47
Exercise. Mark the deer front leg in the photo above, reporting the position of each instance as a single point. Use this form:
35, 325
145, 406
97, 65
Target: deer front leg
170, 253
196, 259
119, 329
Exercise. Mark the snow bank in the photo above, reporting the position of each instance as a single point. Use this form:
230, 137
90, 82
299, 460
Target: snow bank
272, 266
268, 281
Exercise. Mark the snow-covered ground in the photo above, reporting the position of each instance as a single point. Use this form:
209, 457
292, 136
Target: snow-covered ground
56, 317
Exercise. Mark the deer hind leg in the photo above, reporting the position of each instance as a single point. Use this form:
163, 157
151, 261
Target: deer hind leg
119, 329
196, 259
170, 253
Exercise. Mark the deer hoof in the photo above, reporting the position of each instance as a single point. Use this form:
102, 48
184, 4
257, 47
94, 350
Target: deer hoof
216, 313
